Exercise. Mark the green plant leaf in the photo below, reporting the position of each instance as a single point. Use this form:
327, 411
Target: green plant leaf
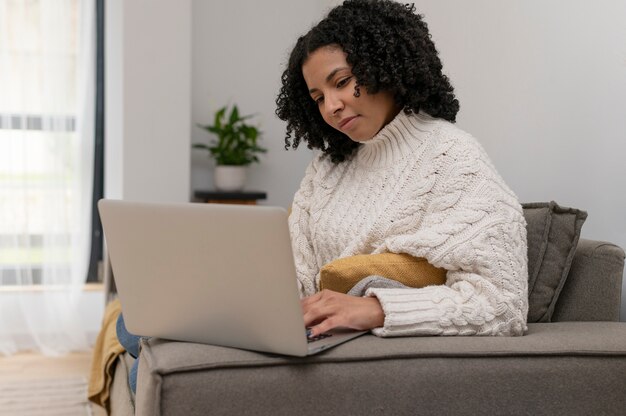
200, 146
234, 115
218, 117
236, 141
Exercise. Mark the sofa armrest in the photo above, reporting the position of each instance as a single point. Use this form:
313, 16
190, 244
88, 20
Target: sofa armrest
592, 291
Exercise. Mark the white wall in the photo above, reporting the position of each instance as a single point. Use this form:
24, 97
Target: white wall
239, 52
543, 86
148, 100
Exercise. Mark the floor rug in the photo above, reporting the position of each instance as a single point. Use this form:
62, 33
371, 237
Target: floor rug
51, 397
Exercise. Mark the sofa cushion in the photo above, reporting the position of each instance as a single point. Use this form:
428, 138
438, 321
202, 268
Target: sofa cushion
552, 233
557, 368
342, 274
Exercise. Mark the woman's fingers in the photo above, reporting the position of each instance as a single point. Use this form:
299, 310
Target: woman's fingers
317, 308
324, 326
327, 310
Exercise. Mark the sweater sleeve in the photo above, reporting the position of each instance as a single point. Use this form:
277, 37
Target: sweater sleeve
474, 228
301, 239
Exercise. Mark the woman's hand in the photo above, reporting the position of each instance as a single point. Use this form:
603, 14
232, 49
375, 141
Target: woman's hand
326, 310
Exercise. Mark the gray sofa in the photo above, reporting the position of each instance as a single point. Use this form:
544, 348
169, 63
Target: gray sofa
571, 363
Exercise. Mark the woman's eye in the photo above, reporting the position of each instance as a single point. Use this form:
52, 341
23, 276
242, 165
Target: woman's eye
318, 100
343, 82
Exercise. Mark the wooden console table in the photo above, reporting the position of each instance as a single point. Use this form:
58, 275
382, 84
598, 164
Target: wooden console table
242, 197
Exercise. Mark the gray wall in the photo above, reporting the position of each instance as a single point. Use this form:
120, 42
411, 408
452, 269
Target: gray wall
148, 100
239, 51
542, 85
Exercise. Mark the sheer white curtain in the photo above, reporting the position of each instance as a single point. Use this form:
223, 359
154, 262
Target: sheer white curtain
47, 73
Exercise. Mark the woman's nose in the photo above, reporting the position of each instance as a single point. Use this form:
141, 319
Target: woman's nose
333, 104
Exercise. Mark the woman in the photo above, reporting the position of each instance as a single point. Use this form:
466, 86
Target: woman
365, 88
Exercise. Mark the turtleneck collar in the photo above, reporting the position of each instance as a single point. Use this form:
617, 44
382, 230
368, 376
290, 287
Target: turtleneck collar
401, 136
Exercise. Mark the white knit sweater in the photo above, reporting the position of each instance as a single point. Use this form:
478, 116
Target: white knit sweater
424, 187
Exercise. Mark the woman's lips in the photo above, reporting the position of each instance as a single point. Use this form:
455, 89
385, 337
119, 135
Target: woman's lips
347, 122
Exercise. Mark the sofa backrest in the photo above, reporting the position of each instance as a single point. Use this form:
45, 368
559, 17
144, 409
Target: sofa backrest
592, 291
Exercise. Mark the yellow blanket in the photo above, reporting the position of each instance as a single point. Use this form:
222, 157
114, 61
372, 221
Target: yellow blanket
105, 354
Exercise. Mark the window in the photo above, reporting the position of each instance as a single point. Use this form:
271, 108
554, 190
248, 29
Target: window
40, 106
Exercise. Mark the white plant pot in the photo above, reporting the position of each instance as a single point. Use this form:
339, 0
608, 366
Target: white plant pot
229, 178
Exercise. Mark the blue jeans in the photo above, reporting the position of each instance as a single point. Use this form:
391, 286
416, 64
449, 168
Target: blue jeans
130, 342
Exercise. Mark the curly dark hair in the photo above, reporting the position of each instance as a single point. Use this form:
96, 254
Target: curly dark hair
389, 49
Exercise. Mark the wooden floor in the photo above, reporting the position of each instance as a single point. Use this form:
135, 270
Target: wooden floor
28, 366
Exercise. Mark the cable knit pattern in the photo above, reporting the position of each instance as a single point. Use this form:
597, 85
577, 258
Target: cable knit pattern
424, 187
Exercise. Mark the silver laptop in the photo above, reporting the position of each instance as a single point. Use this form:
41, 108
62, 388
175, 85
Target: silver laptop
210, 273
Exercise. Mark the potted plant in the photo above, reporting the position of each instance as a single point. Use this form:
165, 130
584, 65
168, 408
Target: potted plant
234, 148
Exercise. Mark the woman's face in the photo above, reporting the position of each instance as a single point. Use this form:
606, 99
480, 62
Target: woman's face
331, 85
